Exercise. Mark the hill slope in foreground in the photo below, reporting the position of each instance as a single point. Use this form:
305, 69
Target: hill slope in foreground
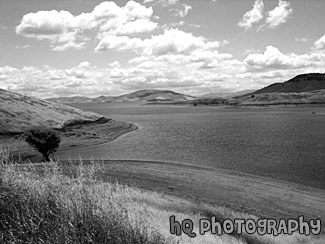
18, 112
138, 96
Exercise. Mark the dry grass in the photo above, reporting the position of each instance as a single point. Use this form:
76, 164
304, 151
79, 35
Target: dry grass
317, 97
19, 112
55, 204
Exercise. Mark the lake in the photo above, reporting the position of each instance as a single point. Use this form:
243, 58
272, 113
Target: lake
281, 143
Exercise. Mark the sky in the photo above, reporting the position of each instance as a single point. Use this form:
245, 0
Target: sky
51, 48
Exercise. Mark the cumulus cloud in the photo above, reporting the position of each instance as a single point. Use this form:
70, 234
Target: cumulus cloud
177, 71
279, 15
66, 31
320, 43
273, 59
197, 70
46, 81
172, 41
183, 12
252, 16
119, 43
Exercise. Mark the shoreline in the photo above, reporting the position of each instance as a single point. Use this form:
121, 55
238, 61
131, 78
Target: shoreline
240, 192
76, 136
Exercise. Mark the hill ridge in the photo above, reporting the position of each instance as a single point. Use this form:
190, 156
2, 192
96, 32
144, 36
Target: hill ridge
144, 95
300, 83
19, 112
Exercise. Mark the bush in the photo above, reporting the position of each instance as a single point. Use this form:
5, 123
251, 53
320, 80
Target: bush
45, 140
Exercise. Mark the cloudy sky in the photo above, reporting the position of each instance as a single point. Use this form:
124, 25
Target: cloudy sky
91, 47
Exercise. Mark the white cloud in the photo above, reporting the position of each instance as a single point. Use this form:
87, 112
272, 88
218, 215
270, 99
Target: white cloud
118, 72
68, 45
183, 12
171, 1
174, 24
177, 41
119, 43
198, 70
164, 2
172, 41
7, 70
84, 64
301, 39
22, 46
47, 81
252, 16
273, 59
279, 14
195, 26
320, 43
66, 31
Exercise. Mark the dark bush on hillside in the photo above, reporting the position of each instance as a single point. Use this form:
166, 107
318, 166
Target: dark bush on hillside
45, 140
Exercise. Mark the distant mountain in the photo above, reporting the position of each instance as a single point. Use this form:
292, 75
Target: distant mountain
80, 99
226, 94
153, 96
145, 96
18, 112
300, 83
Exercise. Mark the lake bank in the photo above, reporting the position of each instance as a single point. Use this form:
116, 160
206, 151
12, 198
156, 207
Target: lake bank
260, 196
280, 143
76, 136
187, 150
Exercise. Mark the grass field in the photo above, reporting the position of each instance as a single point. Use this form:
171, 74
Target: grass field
56, 204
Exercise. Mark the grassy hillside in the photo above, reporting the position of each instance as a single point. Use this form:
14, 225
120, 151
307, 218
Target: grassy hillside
18, 112
226, 94
300, 83
56, 203
311, 97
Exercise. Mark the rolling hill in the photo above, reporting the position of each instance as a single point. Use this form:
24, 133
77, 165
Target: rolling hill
300, 83
302, 89
18, 112
226, 94
81, 99
277, 98
143, 96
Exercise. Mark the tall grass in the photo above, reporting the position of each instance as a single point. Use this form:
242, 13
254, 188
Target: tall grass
55, 208
53, 203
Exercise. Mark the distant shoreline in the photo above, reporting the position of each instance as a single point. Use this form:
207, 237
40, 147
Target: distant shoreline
316, 104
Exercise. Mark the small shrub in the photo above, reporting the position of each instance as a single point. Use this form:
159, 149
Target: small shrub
45, 140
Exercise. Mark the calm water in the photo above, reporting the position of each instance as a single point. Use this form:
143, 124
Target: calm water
281, 143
